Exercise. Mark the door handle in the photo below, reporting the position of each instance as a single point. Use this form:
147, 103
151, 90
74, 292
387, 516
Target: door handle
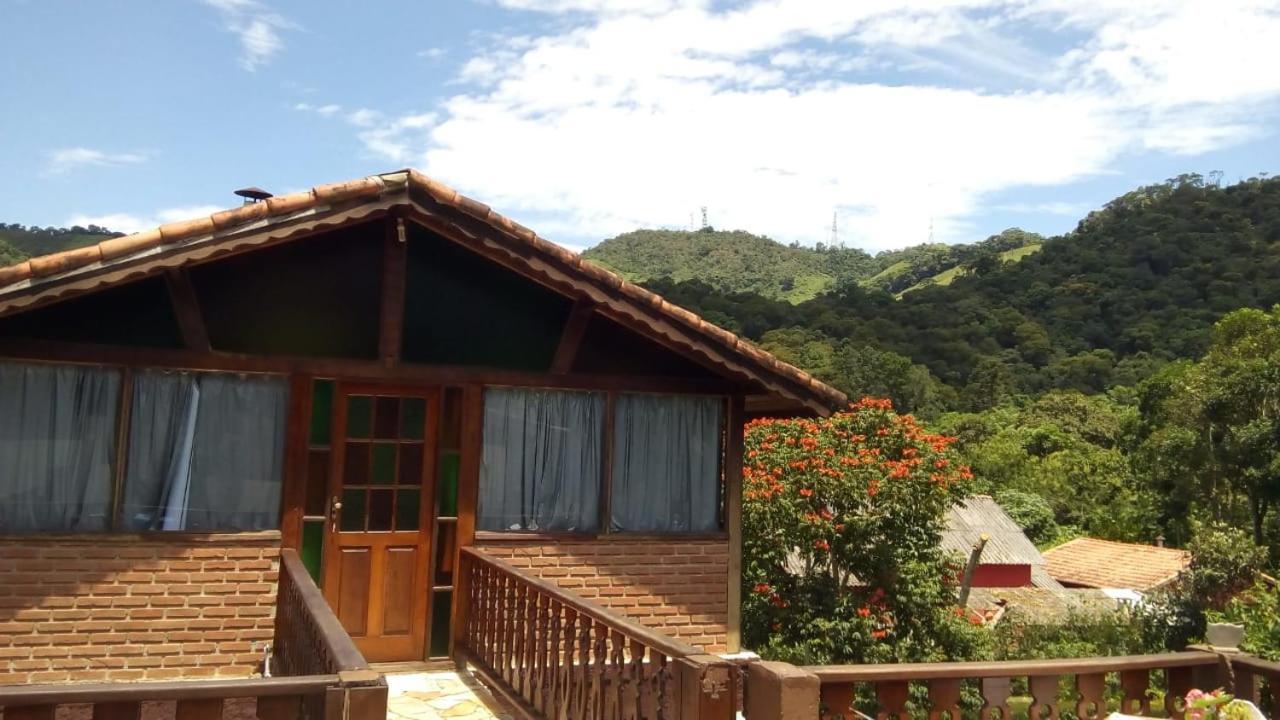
335, 506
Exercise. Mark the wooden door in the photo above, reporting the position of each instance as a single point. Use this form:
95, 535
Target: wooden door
378, 534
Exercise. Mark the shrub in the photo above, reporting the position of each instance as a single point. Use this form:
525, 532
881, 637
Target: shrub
841, 524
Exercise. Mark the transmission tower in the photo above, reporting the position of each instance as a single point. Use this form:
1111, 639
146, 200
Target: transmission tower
835, 233
705, 224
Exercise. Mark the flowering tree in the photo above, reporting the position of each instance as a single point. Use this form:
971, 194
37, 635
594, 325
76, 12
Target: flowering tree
841, 523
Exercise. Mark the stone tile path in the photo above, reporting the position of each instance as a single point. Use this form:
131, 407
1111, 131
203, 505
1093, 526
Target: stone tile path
441, 695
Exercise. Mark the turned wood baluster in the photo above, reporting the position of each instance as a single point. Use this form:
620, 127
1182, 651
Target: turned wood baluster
502, 623
1044, 696
533, 648
490, 639
1178, 681
892, 697
1092, 703
582, 694
615, 679
1134, 684
523, 625
515, 642
995, 697
568, 686
650, 690
546, 639
475, 625
550, 622
631, 705
599, 671
665, 697
944, 698
837, 701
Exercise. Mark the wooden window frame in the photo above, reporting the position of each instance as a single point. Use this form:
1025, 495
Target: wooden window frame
120, 461
605, 531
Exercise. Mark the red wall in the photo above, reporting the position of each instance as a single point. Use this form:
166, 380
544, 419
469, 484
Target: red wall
1002, 576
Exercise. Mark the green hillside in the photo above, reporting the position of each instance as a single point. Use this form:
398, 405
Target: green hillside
729, 261
741, 262
32, 241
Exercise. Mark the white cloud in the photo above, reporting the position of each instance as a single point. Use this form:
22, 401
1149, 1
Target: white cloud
257, 27
132, 223
433, 53
634, 113
65, 160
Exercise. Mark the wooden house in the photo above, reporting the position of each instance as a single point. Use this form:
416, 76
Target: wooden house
368, 380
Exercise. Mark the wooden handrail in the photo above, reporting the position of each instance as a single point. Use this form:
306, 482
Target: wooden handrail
1009, 668
556, 655
662, 643
27, 695
309, 637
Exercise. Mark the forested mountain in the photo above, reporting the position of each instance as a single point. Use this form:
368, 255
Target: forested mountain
10, 254
741, 262
1137, 284
34, 240
730, 261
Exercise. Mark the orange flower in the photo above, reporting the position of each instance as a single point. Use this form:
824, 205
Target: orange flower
864, 612
806, 492
763, 588
822, 545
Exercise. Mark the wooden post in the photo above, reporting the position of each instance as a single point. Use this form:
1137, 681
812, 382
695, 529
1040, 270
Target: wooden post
186, 308
468, 492
780, 691
706, 688
733, 451
391, 313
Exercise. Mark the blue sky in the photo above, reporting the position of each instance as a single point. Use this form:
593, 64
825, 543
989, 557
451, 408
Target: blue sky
585, 118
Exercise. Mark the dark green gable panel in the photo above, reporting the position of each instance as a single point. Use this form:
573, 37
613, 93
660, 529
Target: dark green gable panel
610, 349
137, 315
317, 296
462, 309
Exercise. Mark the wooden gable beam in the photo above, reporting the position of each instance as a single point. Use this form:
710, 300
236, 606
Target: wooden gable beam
391, 315
186, 307
575, 328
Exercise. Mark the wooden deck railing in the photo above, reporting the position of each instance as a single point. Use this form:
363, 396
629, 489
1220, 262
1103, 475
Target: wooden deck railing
556, 655
1085, 688
319, 673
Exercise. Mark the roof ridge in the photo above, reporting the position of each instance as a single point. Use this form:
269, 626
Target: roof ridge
282, 206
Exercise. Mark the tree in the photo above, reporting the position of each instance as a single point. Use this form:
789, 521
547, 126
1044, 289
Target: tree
841, 525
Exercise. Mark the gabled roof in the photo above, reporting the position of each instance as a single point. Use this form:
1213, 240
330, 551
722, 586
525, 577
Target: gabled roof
978, 515
52, 277
1089, 562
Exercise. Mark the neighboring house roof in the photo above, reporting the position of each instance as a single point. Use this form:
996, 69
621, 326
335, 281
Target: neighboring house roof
1006, 543
1089, 562
51, 277
1040, 606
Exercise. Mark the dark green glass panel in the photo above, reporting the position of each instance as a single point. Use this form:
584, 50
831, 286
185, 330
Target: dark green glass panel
317, 482
380, 507
411, 464
446, 536
448, 484
407, 504
359, 416
352, 513
384, 464
413, 418
312, 546
441, 609
355, 467
386, 418
321, 411
451, 420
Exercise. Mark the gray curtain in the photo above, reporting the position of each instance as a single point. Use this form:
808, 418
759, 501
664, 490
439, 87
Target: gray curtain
206, 452
57, 438
541, 464
666, 464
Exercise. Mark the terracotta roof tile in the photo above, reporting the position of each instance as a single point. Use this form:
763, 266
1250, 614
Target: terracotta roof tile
47, 265
1090, 562
234, 219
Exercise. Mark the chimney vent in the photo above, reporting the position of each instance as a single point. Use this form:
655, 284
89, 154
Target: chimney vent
253, 194
1160, 541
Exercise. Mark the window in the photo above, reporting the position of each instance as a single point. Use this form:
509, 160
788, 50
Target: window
666, 464
543, 470
206, 452
57, 439
541, 464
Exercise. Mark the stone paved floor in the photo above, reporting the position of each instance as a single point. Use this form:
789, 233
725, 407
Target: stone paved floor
441, 695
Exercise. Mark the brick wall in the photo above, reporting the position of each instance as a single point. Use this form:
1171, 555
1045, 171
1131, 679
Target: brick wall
118, 607
678, 587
